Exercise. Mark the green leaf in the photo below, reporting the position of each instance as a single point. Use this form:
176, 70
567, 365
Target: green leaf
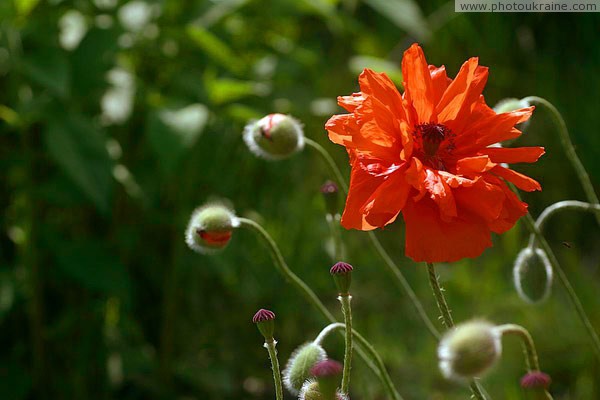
215, 48
172, 132
50, 68
79, 148
227, 90
405, 14
93, 266
358, 63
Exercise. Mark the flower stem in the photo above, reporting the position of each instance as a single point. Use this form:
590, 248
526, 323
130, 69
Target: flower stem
347, 311
438, 293
570, 150
533, 228
387, 260
334, 229
560, 206
531, 357
370, 350
270, 346
374, 363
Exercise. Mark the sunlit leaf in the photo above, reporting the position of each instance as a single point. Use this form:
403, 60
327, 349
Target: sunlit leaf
227, 90
215, 48
24, 7
358, 63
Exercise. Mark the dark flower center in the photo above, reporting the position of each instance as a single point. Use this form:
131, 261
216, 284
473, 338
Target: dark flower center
432, 135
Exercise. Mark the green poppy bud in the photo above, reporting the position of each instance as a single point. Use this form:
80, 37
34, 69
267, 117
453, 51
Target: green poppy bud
210, 228
274, 137
298, 367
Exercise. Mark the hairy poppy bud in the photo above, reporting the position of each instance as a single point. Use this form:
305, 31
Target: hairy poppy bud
532, 275
299, 365
210, 228
274, 137
328, 374
535, 380
311, 391
264, 322
469, 350
330, 195
342, 275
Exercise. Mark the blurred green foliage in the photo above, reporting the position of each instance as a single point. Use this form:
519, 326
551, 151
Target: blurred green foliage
118, 118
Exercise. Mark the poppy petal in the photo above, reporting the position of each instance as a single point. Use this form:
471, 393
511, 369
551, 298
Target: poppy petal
523, 182
417, 84
385, 203
431, 239
514, 155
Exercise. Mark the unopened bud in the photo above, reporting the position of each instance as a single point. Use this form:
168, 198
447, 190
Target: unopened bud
331, 196
299, 365
328, 374
264, 322
311, 391
342, 275
274, 137
469, 350
536, 380
210, 228
532, 275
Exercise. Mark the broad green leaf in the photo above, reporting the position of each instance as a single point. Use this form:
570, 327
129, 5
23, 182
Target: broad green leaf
405, 14
173, 131
93, 266
358, 63
79, 148
215, 48
50, 68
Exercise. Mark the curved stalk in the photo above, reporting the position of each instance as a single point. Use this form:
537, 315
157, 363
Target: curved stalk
374, 363
582, 174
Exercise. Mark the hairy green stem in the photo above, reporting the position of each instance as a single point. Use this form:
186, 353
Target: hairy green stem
347, 311
373, 363
560, 206
370, 350
387, 260
569, 149
440, 299
334, 228
270, 346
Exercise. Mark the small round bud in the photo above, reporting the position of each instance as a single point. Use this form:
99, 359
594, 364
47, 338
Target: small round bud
342, 275
536, 380
331, 196
264, 321
299, 365
210, 228
328, 374
532, 275
469, 350
274, 137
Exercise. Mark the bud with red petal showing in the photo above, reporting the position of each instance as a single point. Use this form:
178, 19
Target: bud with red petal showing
328, 374
331, 196
342, 275
536, 379
210, 228
274, 137
311, 391
264, 322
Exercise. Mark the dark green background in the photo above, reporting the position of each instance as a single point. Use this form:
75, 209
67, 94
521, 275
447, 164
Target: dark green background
100, 298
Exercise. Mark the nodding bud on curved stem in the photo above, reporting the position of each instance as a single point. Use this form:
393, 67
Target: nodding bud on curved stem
469, 350
210, 228
533, 275
328, 374
298, 368
264, 322
274, 137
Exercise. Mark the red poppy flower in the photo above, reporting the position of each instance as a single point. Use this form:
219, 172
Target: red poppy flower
429, 154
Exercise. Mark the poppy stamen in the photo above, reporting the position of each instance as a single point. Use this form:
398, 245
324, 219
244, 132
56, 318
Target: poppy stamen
432, 135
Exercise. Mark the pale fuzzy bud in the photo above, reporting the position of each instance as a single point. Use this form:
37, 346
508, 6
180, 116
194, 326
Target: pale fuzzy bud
298, 367
469, 350
532, 275
210, 228
274, 137
311, 391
